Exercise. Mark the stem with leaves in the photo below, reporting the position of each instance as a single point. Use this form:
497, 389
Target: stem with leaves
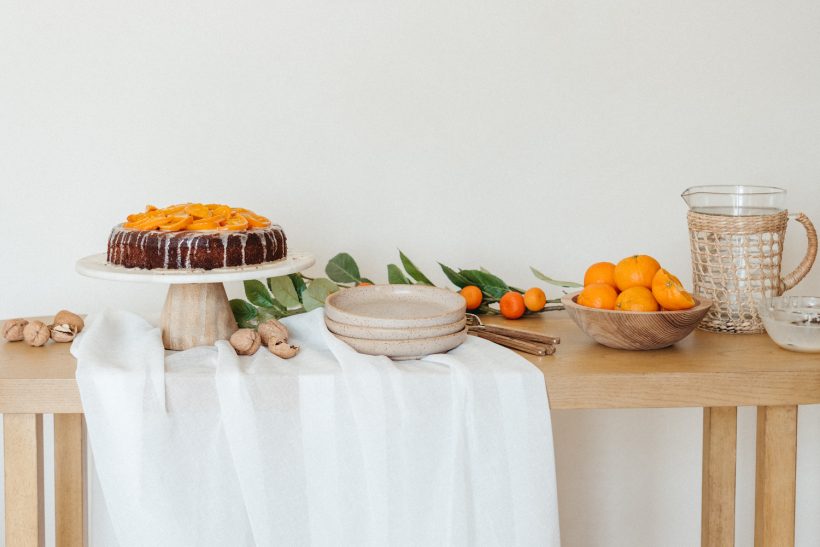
296, 293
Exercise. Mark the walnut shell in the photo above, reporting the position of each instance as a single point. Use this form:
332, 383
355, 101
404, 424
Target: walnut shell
13, 329
62, 333
65, 317
36, 333
282, 349
272, 330
246, 341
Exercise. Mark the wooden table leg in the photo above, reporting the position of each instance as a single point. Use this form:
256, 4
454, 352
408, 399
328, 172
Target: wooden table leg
23, 453
69, 487
719, 459
776, 476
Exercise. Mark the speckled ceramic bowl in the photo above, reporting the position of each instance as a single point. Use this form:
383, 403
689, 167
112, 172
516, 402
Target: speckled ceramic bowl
375, 333
395, 306
406, 349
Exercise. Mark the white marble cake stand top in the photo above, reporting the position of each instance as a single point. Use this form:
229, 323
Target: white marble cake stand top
96, 266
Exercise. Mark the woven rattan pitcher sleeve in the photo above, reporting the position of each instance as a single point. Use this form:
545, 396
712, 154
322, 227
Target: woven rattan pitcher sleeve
793, 278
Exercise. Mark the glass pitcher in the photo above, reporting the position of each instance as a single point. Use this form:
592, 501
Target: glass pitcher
736, 236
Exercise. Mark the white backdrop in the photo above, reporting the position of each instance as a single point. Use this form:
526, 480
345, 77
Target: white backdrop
501, 134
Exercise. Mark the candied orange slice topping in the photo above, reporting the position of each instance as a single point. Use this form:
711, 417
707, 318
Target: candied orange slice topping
236, 222
195, 217
255, 220
174, 224
197, 210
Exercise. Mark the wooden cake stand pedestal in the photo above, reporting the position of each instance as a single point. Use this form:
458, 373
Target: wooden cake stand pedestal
196, 310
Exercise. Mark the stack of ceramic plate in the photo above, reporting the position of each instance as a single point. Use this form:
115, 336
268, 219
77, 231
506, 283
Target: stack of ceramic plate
399, 321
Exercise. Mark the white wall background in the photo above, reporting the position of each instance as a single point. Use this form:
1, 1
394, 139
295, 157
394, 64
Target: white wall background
502, 134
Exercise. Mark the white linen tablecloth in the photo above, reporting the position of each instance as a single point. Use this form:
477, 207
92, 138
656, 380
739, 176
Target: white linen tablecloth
202, 447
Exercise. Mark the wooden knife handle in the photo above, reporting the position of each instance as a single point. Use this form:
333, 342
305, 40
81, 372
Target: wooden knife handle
533, 348
521, 334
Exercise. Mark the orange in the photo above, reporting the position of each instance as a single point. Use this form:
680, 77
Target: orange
148, 223
636, 299
512, 305
197, 210
600, 272
598, 295
635, 271
364, 284
256, 221
195, 216
472, 295
668, 291
535, 299
172, 210
174, 224
221, 210
204, 224
237, 222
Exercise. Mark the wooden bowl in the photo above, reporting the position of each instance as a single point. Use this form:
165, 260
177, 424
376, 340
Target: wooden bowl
635, 330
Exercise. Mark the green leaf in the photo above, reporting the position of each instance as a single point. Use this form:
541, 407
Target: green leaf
551, 281
455, 278
395, 275
489, 284
244, 312
414, 272
284, 291
278, 307
257, 293
343, 269
298, 284
269, 313
515, 289
485, 309
317, 291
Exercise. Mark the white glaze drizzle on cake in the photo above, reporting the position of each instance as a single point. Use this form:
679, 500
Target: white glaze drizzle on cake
127, 246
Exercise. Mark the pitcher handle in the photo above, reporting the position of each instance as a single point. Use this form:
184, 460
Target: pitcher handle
792, 279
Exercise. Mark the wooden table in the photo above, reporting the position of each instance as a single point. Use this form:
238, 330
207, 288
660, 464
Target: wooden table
712, 371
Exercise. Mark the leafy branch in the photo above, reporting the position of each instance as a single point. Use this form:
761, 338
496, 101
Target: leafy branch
295, 293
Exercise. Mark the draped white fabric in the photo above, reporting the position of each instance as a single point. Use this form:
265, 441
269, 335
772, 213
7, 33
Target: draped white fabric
202, 447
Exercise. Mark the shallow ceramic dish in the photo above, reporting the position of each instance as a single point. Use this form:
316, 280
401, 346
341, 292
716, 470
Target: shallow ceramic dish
635, 330
406, 349
793, 322
395, 306
375, 333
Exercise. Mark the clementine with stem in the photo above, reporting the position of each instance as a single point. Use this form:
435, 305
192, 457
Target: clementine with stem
669, 292
534, 299
598, 295
636, 299
600, 272
512, 305
635, 271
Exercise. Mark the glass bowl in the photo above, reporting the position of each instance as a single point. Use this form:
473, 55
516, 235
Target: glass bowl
793, 322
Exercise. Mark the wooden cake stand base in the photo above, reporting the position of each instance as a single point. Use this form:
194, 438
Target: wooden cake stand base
196, 310
208, 303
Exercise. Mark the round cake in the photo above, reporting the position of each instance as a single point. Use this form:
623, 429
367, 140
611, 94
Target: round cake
194, 236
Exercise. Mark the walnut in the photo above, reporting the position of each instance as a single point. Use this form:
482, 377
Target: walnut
74, 321
282, 349
13, 329
36, 333
272, 330
246, 341
62, 333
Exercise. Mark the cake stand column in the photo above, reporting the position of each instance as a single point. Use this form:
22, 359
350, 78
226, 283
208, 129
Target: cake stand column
196, 314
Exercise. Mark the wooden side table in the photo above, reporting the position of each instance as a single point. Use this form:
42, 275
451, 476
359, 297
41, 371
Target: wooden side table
713, 371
